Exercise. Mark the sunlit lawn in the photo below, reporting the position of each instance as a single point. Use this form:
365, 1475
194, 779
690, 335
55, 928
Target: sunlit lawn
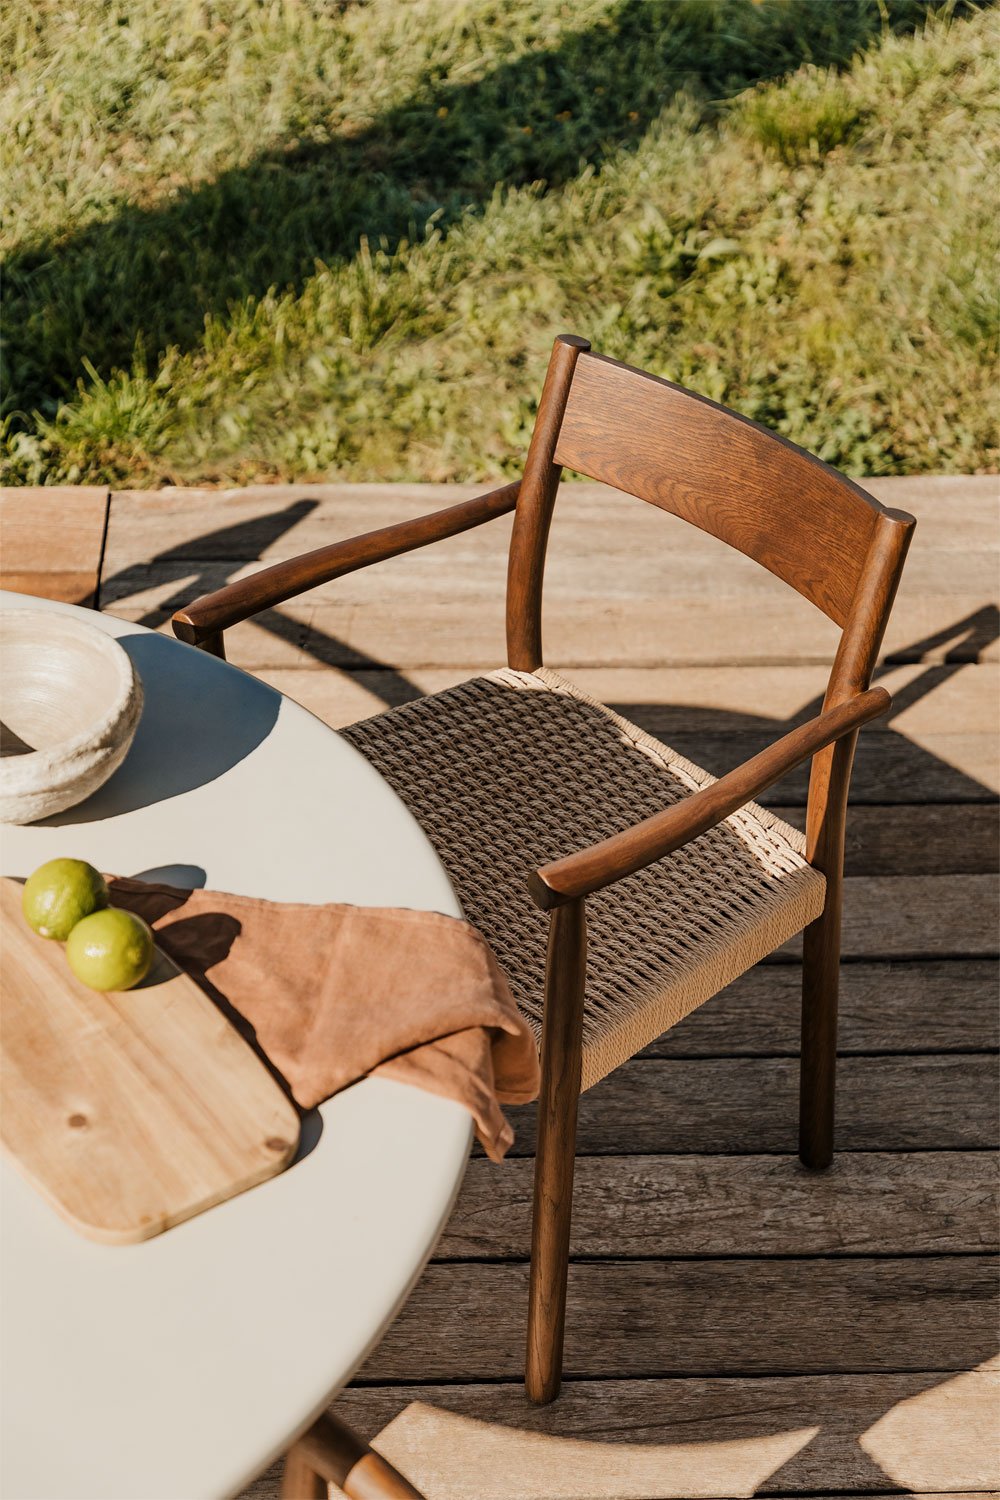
295, 240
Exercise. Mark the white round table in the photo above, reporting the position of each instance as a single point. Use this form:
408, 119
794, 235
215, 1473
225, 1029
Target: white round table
180, 1367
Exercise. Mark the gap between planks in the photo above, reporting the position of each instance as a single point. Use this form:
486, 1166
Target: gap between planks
646, 590
946, 1005
711, 1206
707, 1318
748, 1106
52, 541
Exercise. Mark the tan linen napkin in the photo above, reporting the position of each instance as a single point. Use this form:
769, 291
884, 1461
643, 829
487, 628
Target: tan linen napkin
333, 993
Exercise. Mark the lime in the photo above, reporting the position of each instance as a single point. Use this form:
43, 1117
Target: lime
59, 894
110, 950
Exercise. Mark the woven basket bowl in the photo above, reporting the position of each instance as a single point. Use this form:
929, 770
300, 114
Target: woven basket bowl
70, 701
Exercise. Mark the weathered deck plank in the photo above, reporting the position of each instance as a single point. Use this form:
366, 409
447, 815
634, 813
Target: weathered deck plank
857, 1434
51, 541
941, 1005
918, 916
923, 839
720, 1317
260, 520
953, 766
701, 1206
749, 1105
723, 1082
927, 699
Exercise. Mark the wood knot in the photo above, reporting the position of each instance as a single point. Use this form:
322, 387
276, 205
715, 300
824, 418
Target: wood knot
275, 1143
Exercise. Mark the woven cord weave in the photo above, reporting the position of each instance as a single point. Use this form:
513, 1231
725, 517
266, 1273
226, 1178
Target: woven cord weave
508, 771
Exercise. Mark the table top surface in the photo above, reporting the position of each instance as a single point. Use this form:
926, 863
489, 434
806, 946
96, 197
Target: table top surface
180, 1367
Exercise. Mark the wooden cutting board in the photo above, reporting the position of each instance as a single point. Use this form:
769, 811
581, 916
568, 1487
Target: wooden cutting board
128, 1111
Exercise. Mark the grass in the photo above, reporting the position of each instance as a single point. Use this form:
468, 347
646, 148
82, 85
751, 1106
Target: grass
277, 239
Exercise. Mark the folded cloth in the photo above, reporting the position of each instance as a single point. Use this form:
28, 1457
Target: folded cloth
334, 993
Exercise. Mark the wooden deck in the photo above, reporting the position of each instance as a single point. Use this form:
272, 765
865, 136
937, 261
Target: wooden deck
736, 1325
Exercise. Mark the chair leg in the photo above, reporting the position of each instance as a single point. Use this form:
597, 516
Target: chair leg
330, 1453
820, 985
299, 1480
555, 1157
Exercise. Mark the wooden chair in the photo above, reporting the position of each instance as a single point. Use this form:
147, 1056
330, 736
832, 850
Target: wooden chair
524, 783
330, 1453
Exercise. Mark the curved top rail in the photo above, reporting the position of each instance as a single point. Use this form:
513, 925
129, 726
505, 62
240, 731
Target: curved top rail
760, 493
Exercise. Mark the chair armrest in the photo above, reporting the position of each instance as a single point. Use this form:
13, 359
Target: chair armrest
213, 613
634, 848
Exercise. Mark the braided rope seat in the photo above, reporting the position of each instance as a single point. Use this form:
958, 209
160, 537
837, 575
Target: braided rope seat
510, 770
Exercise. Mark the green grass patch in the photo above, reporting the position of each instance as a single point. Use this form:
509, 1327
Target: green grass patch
813, 114
297, 240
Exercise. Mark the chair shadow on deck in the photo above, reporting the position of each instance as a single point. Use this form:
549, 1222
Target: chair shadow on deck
697, 732
199, 561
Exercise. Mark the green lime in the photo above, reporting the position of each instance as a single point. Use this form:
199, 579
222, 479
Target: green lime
61, 893
110, 950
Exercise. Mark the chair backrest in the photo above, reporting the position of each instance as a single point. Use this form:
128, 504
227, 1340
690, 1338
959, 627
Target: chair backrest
797, 517
761, 494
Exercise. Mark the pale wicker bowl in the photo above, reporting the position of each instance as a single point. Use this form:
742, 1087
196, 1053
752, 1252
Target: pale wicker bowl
70, 700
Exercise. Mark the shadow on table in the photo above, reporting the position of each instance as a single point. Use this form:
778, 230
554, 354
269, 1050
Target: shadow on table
195, 726
187, 877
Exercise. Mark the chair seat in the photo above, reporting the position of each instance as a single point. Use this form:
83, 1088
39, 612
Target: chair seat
510, 770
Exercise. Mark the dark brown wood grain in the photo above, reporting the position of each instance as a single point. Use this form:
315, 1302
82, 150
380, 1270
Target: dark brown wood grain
204, 620
539, 486
826, 822
754, 490
612, 859
562, 1053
